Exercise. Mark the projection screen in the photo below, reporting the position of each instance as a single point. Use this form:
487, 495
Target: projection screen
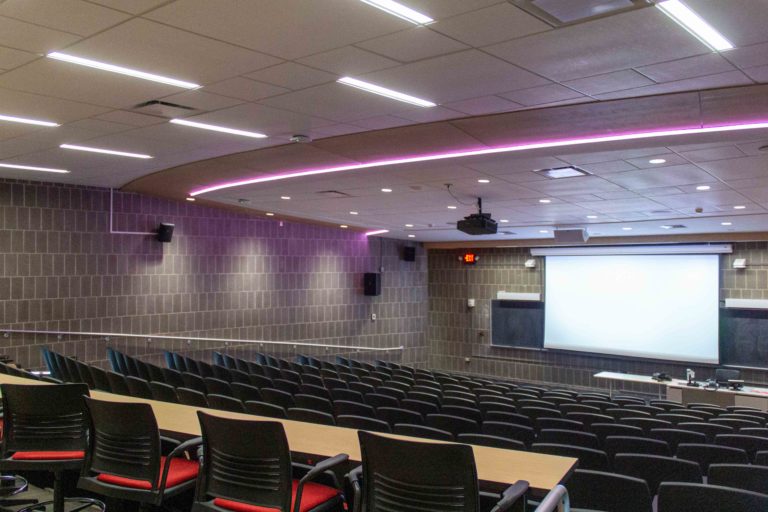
652, 306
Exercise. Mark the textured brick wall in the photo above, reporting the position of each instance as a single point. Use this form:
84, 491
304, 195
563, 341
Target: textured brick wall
457, 332
224, 275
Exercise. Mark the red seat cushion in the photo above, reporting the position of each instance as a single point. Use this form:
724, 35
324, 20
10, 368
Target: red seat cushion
180, 471
312, 496
48, 455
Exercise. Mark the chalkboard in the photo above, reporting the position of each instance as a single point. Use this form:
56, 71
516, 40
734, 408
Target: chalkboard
517, 323
744, 337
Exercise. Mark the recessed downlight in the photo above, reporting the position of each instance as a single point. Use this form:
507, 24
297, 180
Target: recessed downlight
353, 213
666, 226
411, 236
545, 201
285, 198
191, 199
270, 214
451, 207
121, 70
703, 187
657, 161
386, 190
343, 226
504, 220
591, 216
739, 207
626, 228
726, 223
409, 225
543, 231
483, 180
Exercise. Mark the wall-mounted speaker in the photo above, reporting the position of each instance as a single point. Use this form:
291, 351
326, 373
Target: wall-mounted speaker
409, 254
571, 236
371, 283
165, 232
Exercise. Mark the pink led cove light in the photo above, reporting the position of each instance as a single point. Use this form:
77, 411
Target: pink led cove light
377, 232
480, 152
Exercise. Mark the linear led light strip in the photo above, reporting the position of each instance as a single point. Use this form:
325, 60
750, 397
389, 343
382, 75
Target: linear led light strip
480, 152
32, 168
377, 232
383, 91
401, 11
121, 70
215, 128
23, 120
103, 151
695, 24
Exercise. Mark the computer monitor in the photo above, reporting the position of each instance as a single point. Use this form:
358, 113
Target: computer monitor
723, 375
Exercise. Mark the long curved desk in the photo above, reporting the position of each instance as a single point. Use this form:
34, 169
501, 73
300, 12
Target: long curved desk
496, 468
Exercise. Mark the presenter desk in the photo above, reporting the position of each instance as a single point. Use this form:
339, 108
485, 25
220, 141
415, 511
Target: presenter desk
496, 468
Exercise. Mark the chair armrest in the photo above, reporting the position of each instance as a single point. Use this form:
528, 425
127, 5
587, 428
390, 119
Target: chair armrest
511, 495
354, 478
320, 468
183, 447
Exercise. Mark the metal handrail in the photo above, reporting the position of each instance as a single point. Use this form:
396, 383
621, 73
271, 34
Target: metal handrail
556, 500
150, 337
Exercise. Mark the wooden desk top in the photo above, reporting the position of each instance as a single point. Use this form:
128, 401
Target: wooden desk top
494, 466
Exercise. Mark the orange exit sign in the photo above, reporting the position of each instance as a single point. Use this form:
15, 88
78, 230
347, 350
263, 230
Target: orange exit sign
469, 258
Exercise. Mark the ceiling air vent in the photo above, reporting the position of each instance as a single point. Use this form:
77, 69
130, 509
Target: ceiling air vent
560, 12
562, 172
164, 109
332, 194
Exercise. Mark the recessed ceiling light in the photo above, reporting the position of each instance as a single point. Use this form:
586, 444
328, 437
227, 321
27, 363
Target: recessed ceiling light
627, 228
726, 223
215, 128
545, 201
353, 213
411, 236
657, 161
666, 226
121, 70
452, 207
377, 232
591, 216
739, 207
659, 132
483, 181
285, 198
695, 24
103, 151
23, 120
409, 225
191, 199
543, 231
504, 220
386, 190
383, 91
703, 187
269, 214
401, 11
562, 172
343, 226
33, 168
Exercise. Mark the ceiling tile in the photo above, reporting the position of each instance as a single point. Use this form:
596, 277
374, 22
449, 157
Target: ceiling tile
131, 118
667, 176
454, 77
644, 162
32, 38
601, 168
708, 155
10, 58
289, 29
749, 56
543, 94
336, 102
483, 105
728, 79
245, 89
619, 194
438, 9
293, 76
691, 67
381, 122
74, 16
131, 6
754, 148
742, 22
623, 205
616, 81
491, 25
738, 168
428, 115
758, 74
636, 38
202, 100
413, 44
578, 185
41, 107
721, 197
157, 48
661, 191
609, 156
348, 61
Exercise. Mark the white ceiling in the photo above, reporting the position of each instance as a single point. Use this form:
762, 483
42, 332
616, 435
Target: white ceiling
271, 66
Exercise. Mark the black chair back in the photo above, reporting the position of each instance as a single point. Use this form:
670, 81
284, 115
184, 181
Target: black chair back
596, 490
655, 469
680, 497
739, 476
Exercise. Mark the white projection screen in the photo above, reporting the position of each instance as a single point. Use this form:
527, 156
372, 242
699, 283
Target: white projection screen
651, 306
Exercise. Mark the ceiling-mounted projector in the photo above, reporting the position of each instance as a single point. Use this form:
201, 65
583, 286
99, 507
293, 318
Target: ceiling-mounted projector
478, 223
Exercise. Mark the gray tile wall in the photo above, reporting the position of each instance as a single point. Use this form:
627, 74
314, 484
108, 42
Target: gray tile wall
224, 275
457, 332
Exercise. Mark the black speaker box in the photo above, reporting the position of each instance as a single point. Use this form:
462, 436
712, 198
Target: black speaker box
371, 283
165, 232
409, 254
